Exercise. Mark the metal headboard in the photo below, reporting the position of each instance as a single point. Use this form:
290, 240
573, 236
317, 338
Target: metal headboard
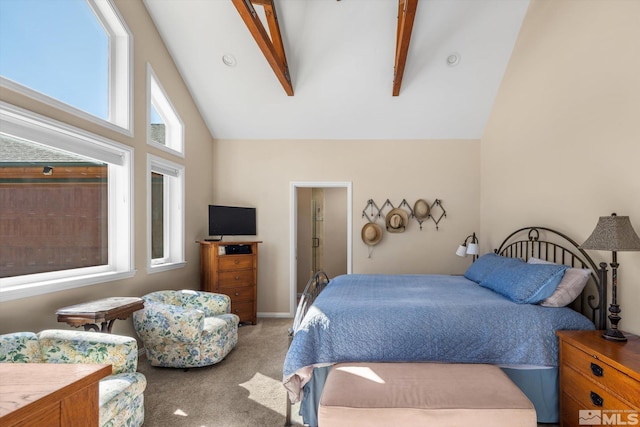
561, 249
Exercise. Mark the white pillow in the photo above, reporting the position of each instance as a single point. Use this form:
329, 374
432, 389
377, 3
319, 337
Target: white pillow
573, 282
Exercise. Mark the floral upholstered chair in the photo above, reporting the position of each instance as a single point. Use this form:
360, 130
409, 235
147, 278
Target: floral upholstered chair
186, 329
121, 393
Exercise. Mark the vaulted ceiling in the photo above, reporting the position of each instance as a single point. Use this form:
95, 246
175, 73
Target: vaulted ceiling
340, 57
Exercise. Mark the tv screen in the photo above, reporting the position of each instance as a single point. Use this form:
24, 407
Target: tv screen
231, 221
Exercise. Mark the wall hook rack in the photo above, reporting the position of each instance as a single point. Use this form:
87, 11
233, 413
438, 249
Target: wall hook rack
372, 212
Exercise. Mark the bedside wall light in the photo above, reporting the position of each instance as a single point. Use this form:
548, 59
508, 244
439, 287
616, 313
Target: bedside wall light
613, 233
469, 247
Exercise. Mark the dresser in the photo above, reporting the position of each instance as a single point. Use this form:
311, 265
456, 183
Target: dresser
50, 394
231, 268
599, 379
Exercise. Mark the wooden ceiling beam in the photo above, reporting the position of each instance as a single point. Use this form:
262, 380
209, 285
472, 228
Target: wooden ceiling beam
406, 16
271, 47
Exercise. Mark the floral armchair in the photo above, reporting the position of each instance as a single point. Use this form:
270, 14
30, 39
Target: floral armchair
185, 329
120, 394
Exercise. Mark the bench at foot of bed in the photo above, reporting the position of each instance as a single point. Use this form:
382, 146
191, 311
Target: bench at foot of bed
420, 394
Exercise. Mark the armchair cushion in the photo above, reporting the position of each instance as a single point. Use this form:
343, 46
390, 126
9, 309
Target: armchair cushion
20, 347
66, 346
121, 399
186, 328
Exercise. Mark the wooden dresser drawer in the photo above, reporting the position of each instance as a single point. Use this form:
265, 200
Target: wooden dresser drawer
232, 279
588, 394
570, 414
244, 310
239, 294
591, 367
235, 262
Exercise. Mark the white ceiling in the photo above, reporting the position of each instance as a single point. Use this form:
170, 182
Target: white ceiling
341, 57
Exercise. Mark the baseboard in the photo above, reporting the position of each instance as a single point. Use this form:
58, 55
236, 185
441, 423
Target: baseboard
279, 315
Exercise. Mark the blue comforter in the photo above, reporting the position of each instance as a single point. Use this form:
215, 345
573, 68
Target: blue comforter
403, 318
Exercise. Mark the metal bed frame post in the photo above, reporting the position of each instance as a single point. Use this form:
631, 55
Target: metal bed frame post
314, 286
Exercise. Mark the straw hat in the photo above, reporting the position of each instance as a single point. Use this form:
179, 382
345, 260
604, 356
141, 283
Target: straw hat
421, 209
371, 234
397, 220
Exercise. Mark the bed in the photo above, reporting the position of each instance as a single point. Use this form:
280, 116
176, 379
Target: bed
491, 314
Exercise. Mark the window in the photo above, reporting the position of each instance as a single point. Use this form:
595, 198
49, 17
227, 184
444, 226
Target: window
74, 55
165, 129
65, 206
165, 191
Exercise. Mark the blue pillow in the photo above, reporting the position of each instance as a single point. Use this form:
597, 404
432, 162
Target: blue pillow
525, 283
486, 264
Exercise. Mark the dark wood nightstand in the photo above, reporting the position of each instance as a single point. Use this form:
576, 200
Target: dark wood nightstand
599, 376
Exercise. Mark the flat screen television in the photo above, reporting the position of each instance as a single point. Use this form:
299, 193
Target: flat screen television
231, 221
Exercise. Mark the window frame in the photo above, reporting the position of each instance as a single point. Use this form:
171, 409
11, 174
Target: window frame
174, 218
174, 127
27, 125
120, 74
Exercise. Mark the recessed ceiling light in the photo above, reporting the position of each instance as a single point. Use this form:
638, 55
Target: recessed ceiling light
453, 59
229, 60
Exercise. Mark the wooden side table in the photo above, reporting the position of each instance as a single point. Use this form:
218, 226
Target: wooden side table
599, 379
103, 311
50, 394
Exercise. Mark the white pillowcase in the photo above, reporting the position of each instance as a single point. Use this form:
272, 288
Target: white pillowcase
573, 282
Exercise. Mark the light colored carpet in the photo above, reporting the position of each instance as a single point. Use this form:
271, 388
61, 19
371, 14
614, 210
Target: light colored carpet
245, 389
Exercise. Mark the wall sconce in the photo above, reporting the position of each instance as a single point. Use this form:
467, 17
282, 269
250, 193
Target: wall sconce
613, 233
469, 247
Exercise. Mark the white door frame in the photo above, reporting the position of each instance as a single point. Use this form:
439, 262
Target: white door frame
293, 232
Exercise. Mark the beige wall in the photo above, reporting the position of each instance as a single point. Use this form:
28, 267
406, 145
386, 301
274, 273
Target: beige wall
259, 173
562, 146
38, 313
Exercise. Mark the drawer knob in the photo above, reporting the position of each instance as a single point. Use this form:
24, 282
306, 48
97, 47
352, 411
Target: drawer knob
237, 277
596, 399
237, 293
596, 369
236, 261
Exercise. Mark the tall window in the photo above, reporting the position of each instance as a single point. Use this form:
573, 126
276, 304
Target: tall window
166, 214
71, 54
165, 129
53, 209
65, 206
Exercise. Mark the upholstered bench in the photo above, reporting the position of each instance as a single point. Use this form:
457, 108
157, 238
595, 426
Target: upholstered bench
422, 394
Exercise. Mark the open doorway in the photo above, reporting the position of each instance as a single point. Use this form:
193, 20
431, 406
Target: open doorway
320, 232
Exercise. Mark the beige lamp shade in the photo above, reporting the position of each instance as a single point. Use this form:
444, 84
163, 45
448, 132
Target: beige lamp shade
613, 233
462, 251
472, 249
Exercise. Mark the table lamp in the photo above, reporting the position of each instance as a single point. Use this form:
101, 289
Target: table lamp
613, 233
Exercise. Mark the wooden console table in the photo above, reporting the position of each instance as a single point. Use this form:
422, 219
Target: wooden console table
104, 312
50, 394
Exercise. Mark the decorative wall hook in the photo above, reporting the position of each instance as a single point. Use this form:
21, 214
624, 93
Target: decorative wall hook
438, 203
374, 215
